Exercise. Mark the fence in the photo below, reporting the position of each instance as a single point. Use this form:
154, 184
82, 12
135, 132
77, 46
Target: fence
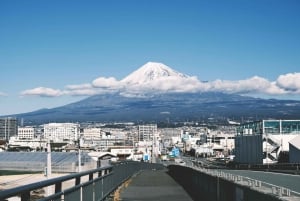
90, 185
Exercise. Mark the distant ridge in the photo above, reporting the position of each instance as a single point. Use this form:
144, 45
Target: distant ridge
200, 107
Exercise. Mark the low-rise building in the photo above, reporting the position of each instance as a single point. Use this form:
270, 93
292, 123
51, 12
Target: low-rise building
91, 133
30, 144
26, 132
61, 132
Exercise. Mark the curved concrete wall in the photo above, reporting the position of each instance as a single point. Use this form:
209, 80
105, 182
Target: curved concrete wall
205, 187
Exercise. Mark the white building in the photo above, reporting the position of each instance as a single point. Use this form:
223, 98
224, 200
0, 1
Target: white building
294, 155
221, 141
146, 132
27, 138
34, 143
61, 132
122, 152
26, 132
91, 133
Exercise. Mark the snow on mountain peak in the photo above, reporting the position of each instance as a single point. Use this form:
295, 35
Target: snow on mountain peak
151, 71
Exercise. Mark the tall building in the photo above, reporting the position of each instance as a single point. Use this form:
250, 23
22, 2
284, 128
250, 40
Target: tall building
146, 132
8, 128
61, 132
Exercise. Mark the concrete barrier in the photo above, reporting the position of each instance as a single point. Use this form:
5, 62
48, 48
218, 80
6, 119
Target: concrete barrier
207, 187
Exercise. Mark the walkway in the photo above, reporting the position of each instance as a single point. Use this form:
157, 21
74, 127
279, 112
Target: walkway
154, 185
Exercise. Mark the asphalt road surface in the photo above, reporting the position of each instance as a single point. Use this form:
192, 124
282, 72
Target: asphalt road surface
154, 185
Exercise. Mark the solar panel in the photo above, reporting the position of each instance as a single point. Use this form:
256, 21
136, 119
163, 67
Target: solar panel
37, 161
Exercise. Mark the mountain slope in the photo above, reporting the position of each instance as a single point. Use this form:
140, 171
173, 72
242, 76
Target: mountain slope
175, 107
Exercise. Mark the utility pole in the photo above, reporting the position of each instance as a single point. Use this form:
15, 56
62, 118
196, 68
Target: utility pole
49, 170
79, 154
152, 153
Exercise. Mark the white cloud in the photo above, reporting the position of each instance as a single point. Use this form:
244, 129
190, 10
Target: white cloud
240, 86
43, 92
3, 94
289, 82
285, 85
79, 86
175, 84
252, 85
80, 90
103, 82
159, 85
99, 86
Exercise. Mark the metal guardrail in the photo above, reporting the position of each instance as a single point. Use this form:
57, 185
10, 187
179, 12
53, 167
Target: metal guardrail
100, 183
252, 183
293, 168
257, 184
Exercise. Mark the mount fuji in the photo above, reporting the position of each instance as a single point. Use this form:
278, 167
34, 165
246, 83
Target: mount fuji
153, 78
150, 72
156, 92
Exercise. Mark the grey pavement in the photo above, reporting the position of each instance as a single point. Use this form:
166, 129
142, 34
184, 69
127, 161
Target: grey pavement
154, 185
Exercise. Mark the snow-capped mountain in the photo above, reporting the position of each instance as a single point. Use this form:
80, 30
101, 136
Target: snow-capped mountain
150, 72
151, 94
154, 78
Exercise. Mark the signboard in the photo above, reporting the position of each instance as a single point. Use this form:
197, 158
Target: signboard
175, 152
146, 157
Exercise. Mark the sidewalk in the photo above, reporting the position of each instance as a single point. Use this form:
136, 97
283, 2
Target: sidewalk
154, 185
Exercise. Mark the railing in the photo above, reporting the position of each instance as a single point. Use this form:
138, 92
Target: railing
257, 185
291, 168
90, 185
253, 183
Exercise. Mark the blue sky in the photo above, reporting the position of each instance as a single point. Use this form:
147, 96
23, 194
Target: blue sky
48, 45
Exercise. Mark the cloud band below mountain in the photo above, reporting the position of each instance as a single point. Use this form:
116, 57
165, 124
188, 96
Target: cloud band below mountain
43, 92
289, 82
175, 82
285, 84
